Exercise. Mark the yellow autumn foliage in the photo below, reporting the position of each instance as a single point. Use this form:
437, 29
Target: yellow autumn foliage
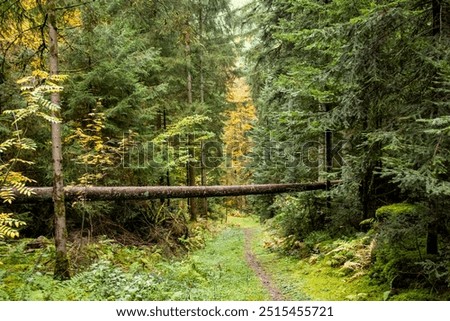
98, 154
238, 144
237, 126
23, 32
9, 225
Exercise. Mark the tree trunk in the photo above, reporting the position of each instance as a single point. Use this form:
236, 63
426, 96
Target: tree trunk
203, 202
62, 262
432, 234
202, 75
161, 126
190, 166
97, 193
328, 155
167, 156
193, 208
432, 239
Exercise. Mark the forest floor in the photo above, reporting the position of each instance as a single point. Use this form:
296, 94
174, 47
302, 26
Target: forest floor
337, 270
234, 261
292, 278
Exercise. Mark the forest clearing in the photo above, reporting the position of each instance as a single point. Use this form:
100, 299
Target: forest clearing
217, 150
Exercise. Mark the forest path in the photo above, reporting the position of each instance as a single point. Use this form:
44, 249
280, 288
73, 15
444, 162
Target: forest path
230, 266
256, 266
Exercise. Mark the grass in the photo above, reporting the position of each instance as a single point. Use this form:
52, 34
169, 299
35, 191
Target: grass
243, 221
300, 279
217, 271
228, 276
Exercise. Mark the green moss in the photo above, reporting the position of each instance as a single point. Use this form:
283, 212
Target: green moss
322, 282
413, 295
393, 210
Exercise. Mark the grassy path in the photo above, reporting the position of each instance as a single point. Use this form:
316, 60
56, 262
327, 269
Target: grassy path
273, 271
292, 279
255, 265
228, 277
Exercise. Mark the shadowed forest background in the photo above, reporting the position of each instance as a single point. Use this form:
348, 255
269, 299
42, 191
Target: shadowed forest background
352, 94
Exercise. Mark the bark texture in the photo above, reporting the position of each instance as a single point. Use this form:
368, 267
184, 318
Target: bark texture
62, 263
97, 193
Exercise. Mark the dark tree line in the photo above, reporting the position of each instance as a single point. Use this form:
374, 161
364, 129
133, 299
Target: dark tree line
375, 75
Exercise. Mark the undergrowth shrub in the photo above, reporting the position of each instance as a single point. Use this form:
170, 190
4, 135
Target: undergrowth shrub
299, 215
106, 270
105, 281
262, 204
311, 217
9, 226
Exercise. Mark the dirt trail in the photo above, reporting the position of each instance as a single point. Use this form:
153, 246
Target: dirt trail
253, 262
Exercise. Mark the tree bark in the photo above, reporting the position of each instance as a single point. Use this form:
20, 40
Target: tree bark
62, 262
203, 202
328, 155
190, 166
193, 208
115, 193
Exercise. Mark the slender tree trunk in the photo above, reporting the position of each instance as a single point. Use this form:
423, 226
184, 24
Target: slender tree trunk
432, 239
202, 75
203, 201
190, 166
167, 156
328, 154
203, 206
62, 262
432, 234
159, 127
193, 208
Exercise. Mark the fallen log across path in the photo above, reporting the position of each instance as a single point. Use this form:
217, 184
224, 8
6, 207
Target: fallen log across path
110, 193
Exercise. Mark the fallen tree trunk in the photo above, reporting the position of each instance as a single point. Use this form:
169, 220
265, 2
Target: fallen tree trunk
103, 193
